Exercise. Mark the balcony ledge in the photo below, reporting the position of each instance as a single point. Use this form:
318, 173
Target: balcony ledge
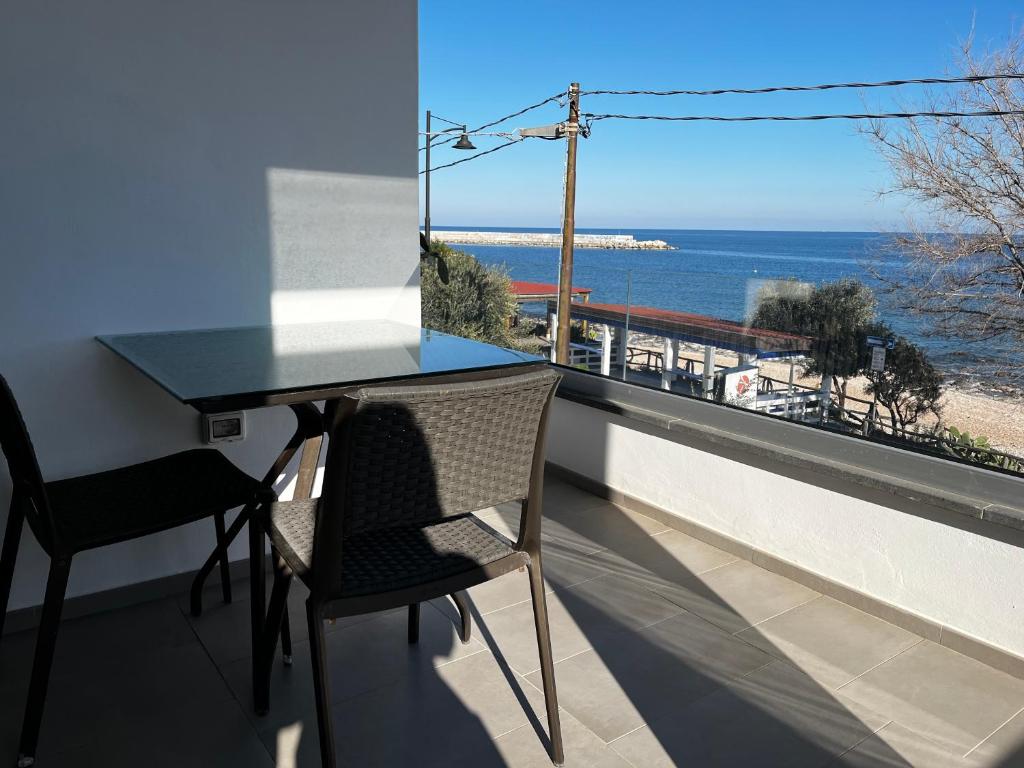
918, 480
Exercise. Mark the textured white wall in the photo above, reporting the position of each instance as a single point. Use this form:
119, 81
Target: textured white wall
185, 165
940, 572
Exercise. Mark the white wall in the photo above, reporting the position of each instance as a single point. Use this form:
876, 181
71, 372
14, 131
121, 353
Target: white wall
951, 576
185, 165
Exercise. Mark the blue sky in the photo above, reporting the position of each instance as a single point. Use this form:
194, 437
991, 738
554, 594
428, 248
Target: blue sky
481, 60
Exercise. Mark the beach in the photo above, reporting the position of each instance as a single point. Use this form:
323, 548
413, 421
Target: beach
999, 417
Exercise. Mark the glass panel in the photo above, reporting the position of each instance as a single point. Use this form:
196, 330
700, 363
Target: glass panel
204, 364
795, 325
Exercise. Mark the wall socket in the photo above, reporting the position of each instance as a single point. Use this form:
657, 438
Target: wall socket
223, 427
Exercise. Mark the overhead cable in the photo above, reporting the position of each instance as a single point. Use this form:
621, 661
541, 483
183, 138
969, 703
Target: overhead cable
590, 117
823, 87
485, 126
474, 157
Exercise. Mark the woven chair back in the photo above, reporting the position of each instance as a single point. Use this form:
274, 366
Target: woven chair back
416, 453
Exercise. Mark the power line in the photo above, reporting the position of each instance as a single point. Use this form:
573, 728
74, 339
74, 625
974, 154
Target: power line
590, 117
824, 87
474, 157
485, 126
446, 120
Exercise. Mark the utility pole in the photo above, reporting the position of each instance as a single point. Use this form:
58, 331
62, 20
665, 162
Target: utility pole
568, 229
426, 187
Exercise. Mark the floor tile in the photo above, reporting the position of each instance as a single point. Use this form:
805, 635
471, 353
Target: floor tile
942, 695
224, 628
776, 716
1004, 748
562, 568
113, 637
898, 747
226, 741
452, 715
665, 559
359, 658
592, 529
737, 595
577, 617
635, 677
374, 653
585, 528
561, 496
675, 651
172, 702
522, 748
291, 689
830, 641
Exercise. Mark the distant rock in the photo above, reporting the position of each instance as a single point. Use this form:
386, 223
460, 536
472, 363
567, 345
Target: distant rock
548, 239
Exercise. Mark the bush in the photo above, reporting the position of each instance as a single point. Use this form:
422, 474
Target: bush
978, 450
834, 315
477, 302
910, 386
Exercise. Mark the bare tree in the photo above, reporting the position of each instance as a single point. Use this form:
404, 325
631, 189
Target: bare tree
965, 266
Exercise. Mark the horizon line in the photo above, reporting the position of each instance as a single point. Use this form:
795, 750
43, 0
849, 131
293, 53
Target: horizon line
507, 227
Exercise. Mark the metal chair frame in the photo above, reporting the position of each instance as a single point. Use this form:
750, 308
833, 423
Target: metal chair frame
30, 501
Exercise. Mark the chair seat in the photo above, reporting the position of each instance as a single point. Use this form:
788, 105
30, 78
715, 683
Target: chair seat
389, 559
107, 507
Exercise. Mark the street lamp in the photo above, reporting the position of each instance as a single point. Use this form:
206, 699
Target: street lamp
462, 143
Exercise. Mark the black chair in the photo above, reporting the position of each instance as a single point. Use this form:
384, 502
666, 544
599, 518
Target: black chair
406, 468
80, 513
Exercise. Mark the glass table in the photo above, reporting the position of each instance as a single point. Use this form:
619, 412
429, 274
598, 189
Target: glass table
233, 369
230, 369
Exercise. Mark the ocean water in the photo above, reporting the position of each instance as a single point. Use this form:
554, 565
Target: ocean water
719, 273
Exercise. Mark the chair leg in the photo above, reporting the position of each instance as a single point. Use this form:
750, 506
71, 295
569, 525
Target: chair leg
214, 558
257, 594
9, 555
317, 648
547, 667
46, 644
414, 623
276, 612
222, 548
286, 639
459, 598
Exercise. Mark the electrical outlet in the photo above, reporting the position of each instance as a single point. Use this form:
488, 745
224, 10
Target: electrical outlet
223, 427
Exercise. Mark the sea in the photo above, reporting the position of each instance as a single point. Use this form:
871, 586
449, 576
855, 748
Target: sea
721, 272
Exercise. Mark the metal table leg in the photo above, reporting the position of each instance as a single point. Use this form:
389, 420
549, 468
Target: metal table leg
309, 436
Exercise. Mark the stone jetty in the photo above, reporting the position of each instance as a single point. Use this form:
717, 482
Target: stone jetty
550, 239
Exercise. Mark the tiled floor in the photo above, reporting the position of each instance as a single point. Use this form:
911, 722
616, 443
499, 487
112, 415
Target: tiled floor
669, 652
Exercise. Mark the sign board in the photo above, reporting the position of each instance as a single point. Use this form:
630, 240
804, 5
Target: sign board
878, 341
737, 386
877, 359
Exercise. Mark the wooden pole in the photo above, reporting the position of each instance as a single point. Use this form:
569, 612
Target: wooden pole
426, 188
568, 229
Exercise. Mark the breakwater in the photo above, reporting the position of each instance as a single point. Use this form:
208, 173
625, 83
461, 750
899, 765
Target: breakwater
551, 239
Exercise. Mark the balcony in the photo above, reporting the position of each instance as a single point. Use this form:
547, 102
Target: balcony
669, 652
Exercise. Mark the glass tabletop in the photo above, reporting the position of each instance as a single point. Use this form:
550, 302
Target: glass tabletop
232, 368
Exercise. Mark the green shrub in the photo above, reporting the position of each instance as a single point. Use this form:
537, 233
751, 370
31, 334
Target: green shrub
477, 301
978, 450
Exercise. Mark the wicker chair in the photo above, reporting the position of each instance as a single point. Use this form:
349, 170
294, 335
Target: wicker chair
80, 513
406, 468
